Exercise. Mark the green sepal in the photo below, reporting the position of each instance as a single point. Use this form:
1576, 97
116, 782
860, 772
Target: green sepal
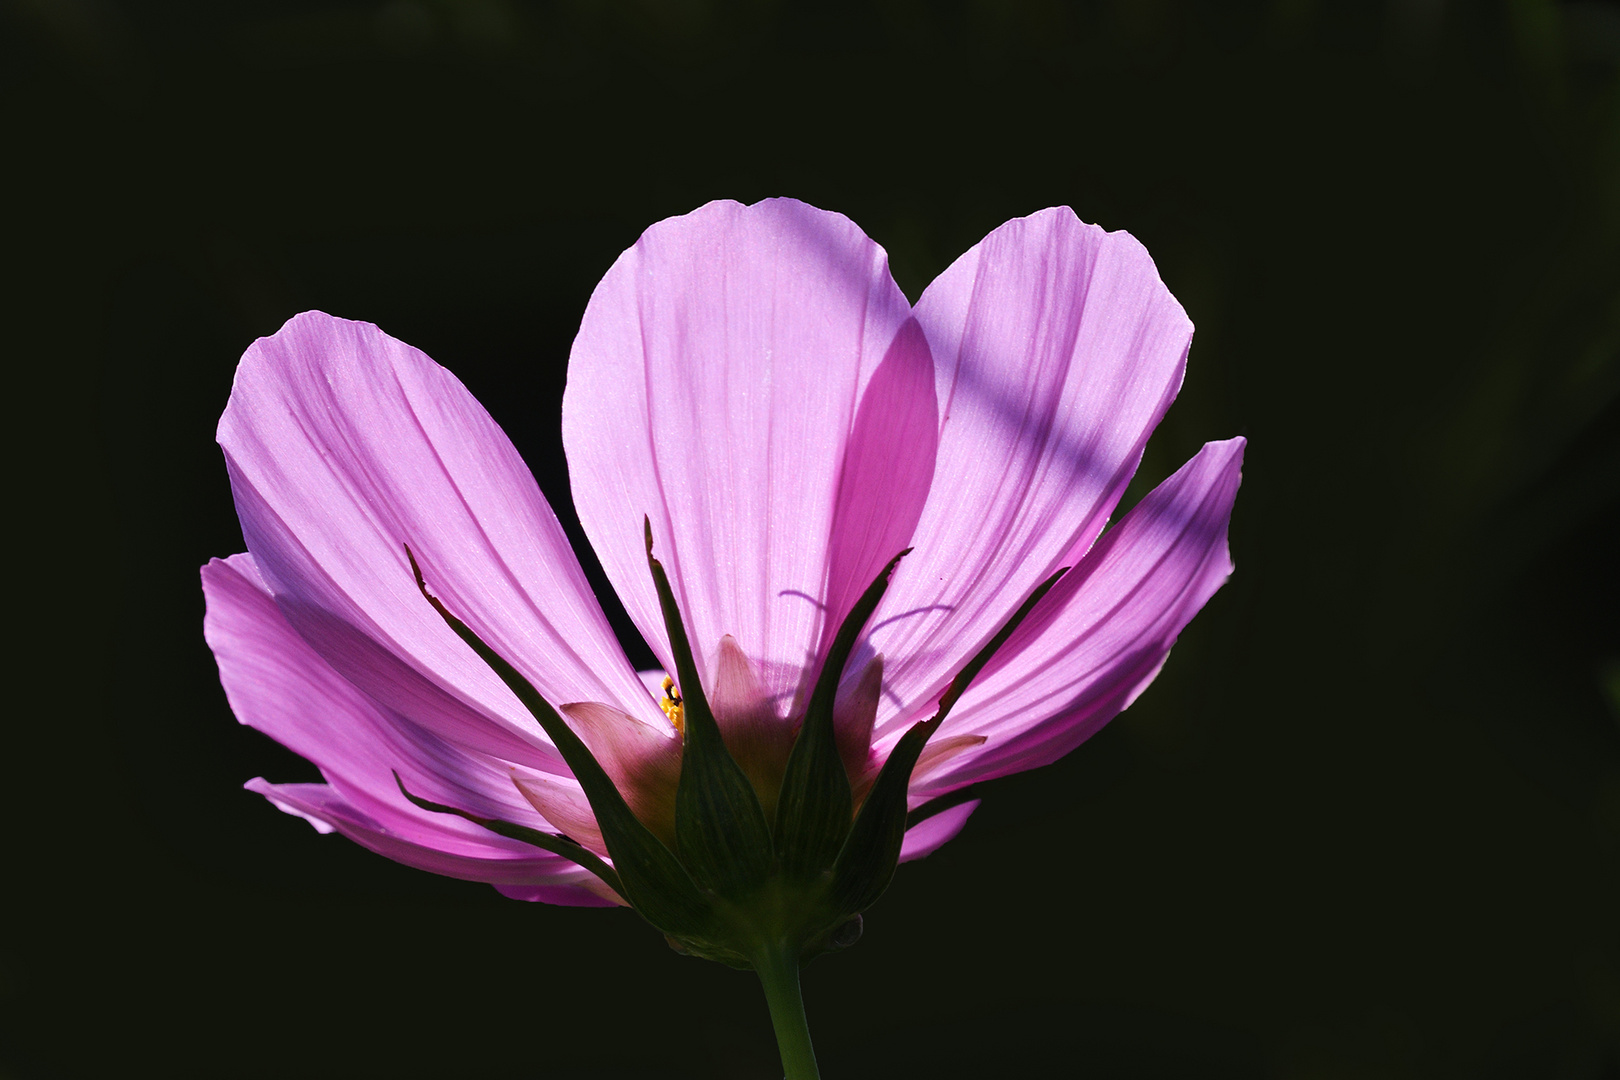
866, 864
815, 806
557, 845
867, 861
653, 879
720, 827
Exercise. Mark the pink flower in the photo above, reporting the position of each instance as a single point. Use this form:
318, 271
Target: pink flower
751, 391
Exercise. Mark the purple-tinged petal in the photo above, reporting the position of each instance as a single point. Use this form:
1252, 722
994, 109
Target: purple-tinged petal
1101, 635
749, 378
931, 834
399, 687
1057, 350
887, 473
344, 445
642, 760
506, 864
276, 683
281, 687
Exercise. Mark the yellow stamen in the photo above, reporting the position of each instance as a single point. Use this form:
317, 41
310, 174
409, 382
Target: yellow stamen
671, 704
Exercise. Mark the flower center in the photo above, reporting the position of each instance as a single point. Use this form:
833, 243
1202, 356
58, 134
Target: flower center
671, 704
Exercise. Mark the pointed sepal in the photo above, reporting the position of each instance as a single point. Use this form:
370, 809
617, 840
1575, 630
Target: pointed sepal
814, 809
720, 828
653, 879
868, 858
866, 863
557, 845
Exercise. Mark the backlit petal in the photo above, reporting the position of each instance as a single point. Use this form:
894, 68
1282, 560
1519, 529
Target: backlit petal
749, 378
343, 446
562, 802
277, 684
758, 739
1102, 634
515, 869
931, 834
642, 759
1057, 351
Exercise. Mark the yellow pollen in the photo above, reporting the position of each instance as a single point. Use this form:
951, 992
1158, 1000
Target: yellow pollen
671, 704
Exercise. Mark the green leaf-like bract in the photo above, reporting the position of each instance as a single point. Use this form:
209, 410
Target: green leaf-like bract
866, 864
557, 845
814, 809
735, 888
720, 827
653, 879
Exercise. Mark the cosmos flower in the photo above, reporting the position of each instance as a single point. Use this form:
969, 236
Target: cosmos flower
839, 521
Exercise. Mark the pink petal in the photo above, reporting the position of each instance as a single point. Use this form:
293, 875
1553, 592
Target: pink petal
515, 869
748, 377
343, 446
653, 680
1057, 350
401, 688
931, 834
562, 802
940, 750
642, 760
277, 684
1101, 635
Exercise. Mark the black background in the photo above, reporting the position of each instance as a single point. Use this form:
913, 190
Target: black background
1367, 822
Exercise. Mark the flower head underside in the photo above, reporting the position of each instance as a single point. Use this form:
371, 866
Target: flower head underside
758, 424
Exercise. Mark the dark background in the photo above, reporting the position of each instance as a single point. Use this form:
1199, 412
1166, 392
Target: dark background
1366, 824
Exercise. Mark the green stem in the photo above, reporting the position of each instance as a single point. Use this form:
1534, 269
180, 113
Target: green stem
778, 970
